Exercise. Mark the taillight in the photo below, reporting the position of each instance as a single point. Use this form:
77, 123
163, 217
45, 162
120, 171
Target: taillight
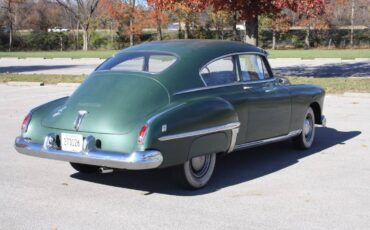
142, 133
26, 122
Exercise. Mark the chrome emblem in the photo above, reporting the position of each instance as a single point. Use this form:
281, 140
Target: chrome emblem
80, 116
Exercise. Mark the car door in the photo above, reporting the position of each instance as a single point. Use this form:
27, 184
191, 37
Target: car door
268, 102
221, 79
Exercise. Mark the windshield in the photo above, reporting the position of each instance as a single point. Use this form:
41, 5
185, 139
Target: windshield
151, 62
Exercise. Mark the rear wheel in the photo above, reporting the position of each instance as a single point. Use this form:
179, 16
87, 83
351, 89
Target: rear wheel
307, 136
196, 172
82, 168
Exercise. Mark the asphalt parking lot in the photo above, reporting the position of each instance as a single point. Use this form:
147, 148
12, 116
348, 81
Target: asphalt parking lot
270, 187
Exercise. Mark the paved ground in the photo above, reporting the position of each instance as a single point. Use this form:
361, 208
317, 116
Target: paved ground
327, 67
49, 66
271, 187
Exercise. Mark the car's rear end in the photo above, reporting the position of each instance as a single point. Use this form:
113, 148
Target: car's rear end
103, 123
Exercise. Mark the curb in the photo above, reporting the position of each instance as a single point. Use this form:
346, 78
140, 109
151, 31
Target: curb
363, 95
24, 83
68, 84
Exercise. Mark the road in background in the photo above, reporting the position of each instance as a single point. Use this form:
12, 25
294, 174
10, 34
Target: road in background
325, 67
270, 187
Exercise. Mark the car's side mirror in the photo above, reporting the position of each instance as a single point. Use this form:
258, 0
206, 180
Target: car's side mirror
283, 81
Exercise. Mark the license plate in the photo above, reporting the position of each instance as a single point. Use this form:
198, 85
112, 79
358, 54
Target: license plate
71, 142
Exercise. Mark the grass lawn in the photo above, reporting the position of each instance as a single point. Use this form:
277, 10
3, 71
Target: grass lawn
306, 54
46, 78
320, 53
336, 85
331, 85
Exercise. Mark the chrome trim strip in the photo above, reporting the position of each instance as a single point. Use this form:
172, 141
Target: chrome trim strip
215, 129
270, 140
234, 133
137, 160
224, 85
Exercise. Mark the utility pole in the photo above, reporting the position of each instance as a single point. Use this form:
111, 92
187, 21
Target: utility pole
352, 21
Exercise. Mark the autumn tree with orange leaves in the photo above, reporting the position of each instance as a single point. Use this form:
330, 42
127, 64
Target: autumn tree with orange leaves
185, 10
159, 7
250, 10
128, 14
310, 14
279, 24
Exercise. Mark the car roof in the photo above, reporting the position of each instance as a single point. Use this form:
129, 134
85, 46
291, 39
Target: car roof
193, 54
207, 48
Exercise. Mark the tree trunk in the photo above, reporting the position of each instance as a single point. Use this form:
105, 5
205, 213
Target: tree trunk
111, 32
251, 31
85, 39
179, 32
10, 21
131, 31
273, 40
133, 4
77, 35
187, 30
235, 30
159, 29
10, 36
352, 21
307, 38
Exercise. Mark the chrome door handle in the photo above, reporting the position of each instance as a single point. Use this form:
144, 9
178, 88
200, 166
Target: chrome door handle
247, 87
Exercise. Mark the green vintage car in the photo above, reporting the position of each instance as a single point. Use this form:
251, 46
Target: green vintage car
173, 104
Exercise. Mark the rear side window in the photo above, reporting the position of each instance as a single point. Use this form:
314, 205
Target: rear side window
219, 72
253, 68
134, 64
158, 63
140, 61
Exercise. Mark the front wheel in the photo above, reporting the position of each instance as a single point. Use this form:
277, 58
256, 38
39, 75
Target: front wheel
307, 136
88, 169
196, 172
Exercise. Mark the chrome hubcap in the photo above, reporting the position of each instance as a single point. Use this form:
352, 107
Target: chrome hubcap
199, 165
198, 162
306, 127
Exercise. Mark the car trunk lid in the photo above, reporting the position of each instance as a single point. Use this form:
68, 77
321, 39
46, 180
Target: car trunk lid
111, 102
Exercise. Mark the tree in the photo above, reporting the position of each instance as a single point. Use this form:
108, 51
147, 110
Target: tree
185, 11
84, 12
250, 10
158, 9
43, 15
219, 20
309, 13
127, 14
278, 23
10, 8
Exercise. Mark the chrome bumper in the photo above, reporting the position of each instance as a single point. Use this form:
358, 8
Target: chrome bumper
134, 161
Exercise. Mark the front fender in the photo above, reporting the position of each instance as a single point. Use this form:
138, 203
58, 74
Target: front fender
192, 128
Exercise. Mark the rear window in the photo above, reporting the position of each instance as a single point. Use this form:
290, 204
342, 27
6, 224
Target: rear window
150, 62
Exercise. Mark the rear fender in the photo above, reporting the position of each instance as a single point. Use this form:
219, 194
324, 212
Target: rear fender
192, 128
36, 132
